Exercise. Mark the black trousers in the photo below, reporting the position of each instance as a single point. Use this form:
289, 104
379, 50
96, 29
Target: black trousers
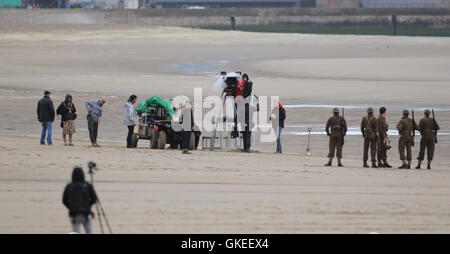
247, 139
130, 135
197, 137
186, 139
93, 129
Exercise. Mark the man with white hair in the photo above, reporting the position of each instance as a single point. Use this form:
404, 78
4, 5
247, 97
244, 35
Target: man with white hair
95, 110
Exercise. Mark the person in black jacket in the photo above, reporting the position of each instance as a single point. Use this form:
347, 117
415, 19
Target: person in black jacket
78, 197
247, 133
46, 115
68, 114
281, 117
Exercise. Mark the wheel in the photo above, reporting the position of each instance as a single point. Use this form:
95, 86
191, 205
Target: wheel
192, 141
134, 140
153, 139
162, 140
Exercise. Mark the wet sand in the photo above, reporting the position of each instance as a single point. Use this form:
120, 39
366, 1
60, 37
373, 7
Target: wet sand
148, 191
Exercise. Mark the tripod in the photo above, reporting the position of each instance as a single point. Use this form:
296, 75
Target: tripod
92, 166
308, 151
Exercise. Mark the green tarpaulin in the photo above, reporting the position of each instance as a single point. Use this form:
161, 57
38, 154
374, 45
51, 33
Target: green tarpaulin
155, 101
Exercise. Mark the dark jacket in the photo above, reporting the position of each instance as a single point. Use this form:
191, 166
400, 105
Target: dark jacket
45, 110
248, 86
282, 116
79, 195
63, 110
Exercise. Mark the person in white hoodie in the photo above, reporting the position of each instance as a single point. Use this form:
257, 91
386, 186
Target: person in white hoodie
129, 118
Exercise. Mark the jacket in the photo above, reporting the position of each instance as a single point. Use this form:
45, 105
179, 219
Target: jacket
64, 111
336, 126
45, 110
129, 114
369, 127
79, 195
94, 109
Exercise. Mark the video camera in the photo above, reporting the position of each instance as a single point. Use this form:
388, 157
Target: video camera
92, 166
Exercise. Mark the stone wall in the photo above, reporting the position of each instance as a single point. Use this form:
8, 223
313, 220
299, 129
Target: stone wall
184, 17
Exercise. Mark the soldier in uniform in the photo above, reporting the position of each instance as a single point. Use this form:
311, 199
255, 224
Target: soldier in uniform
336, 129
383, 145
405, 128
427, 128
369, 132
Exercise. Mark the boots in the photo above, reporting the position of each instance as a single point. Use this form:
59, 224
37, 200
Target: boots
329, 163
186, 151
380, 165
339, 163
408, 166
429, 165
386, 165
374, 165
70, 141
365, 164
403, 166
65, 141
418, 164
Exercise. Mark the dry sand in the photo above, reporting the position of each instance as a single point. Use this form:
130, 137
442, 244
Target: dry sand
153, 191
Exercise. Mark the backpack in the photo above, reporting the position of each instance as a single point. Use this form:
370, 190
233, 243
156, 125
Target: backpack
79, 199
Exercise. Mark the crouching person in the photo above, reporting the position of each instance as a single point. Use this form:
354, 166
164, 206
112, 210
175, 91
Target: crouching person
78, 197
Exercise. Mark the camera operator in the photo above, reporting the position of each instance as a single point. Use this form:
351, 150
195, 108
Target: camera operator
78, 197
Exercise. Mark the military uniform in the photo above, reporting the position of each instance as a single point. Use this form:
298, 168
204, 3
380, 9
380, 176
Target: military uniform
336, 129
369, 132
382, 129
427, 126
405, 128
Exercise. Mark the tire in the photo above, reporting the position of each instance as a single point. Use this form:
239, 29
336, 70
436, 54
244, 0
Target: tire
134, 140
192, 141
153, 140
162, 140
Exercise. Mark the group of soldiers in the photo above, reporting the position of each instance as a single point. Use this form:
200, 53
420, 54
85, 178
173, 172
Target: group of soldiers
375, 132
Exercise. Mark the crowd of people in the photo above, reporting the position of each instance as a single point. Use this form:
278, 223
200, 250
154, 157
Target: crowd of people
375, 133
374, 129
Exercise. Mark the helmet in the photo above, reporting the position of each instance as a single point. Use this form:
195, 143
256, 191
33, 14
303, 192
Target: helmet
335, 110
405, 112
427, 111
370, 110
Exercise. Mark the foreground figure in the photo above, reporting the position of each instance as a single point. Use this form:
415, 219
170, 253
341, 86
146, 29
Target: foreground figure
336, 129
78, 197
369, 132
427, 127
405, 128
95, 110
383, 141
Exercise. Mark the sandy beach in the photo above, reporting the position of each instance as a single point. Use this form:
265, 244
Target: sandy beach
163, 191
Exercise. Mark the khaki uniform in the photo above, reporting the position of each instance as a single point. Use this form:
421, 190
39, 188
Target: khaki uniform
405, 127
427, 126
382, 129
336, 128
369, 132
